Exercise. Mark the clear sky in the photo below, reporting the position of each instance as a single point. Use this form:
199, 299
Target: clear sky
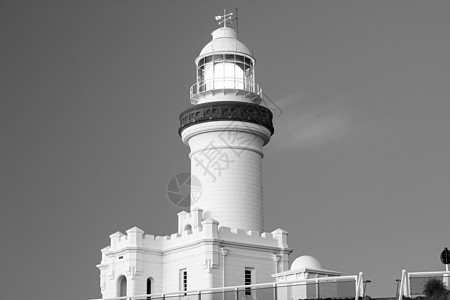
358, 170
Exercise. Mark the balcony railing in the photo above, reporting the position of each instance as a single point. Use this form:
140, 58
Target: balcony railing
340, 287
225, 83
412, 283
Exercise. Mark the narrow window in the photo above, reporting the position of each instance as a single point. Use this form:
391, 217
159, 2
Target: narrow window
184, 280
122, 286
248, 280
149, 287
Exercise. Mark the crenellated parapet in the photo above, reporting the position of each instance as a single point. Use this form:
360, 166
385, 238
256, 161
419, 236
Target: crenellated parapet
277, 238
136, 255
192, 227
189, 221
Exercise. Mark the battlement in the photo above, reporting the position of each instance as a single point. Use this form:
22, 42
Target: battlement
191, 229
189, 221
120, 241
277, 238
135, 237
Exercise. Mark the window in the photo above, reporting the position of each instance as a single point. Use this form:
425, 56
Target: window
122, 286
183, 280
225, 71
248, 280
149, 287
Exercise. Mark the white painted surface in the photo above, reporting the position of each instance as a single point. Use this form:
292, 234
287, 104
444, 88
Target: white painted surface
199, 251
224, 40
232, 190
305, 261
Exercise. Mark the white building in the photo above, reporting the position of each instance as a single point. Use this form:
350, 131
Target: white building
307, 267
221, 241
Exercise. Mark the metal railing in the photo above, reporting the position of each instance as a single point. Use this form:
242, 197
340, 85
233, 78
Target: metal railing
342, 287
225, 83
412, 283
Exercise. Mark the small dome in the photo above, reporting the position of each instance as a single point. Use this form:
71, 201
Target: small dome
224, 39
305, 261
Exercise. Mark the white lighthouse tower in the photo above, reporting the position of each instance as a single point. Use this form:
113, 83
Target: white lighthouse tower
220, 242
226, 131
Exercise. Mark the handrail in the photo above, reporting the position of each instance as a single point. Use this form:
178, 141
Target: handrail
418, 274
359, 284
405, 282
224, 83
238, 288
402, 285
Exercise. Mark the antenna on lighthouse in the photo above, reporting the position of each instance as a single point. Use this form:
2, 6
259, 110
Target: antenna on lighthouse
236, 19
225, 19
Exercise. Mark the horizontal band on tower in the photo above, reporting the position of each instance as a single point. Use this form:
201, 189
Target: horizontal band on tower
226, 111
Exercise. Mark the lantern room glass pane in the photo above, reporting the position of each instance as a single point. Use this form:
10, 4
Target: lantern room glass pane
225, 71
227, 75
201, 79
208, 76
229, 57
218, 57
249, 77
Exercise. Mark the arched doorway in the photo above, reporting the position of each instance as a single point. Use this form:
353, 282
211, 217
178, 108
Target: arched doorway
122, 286
149, 287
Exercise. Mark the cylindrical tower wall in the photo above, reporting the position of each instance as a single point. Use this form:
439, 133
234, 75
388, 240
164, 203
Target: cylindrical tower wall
226, 157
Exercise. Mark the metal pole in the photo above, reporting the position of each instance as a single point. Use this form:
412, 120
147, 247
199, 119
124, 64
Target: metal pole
446, 276
318, 289
397, 291
224, 19
364, 289
236, 19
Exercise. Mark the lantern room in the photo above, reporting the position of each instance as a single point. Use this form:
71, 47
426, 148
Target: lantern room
225, 71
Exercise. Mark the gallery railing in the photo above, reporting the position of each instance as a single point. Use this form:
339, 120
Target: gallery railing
340, 287
412, 284
225, 83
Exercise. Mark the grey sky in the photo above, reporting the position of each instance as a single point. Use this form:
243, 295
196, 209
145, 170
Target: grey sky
358, 171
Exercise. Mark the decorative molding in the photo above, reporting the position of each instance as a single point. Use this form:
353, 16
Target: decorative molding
209, 265
226, 111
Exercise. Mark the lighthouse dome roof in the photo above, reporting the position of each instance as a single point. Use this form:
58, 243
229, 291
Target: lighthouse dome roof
305, 262
224, 39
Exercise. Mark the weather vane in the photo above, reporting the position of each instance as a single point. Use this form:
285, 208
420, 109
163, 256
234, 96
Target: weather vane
225, 19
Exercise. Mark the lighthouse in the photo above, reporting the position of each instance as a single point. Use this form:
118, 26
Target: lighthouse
226, 130
220, 241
